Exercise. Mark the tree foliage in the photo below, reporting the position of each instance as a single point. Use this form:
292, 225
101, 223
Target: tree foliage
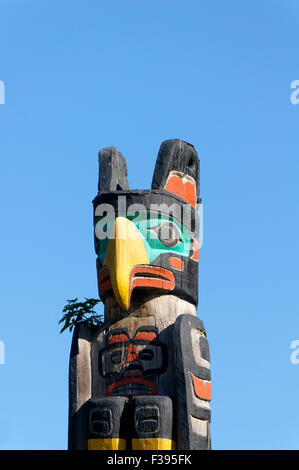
80, 313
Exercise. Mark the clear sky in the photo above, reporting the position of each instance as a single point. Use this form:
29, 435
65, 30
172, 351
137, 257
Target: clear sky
82, 75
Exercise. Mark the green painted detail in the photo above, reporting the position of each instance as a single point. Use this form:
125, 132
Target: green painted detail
148, 225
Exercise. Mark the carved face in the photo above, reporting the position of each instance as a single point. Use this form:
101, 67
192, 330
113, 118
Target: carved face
159, 233
131, 366
149, 239
149, 251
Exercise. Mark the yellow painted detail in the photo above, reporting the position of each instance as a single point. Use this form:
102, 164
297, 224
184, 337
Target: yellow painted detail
124, 251
106, 444
157, 443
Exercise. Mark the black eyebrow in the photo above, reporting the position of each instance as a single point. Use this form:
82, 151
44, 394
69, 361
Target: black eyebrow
117, 332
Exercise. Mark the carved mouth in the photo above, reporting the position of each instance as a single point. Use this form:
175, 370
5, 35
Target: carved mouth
132, 386
141, 276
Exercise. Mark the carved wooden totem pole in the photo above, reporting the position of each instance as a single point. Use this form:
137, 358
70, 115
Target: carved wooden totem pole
141, 381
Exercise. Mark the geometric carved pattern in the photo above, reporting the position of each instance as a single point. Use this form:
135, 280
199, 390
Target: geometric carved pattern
142, 380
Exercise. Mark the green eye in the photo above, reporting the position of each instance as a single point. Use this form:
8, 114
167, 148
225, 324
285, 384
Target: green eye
168, 234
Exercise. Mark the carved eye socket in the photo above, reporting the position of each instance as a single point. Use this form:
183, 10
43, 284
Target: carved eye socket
146, 355
116, 356
168, 234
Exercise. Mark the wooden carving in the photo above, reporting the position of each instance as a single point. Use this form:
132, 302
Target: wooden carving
142, 380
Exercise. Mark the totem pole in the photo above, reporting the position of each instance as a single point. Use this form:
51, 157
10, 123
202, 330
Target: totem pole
141, 381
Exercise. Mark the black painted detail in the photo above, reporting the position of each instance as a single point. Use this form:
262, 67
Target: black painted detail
107, 417
100, 421
176, 155
152, 417
112, 171
187, 361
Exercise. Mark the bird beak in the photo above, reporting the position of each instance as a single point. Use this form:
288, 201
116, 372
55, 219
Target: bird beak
124, 251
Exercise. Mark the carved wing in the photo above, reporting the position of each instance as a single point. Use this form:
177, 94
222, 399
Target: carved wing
193, 381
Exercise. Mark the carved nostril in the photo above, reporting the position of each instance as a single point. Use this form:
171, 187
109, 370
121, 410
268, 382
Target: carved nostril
132, 354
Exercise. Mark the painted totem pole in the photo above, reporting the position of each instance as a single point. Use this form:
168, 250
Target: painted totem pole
141, 381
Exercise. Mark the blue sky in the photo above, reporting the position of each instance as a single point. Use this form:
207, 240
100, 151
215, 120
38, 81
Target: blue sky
82, 75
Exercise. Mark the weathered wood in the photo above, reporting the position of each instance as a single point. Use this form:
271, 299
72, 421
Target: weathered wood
142, 380
179, 157
79, 386
112, 170
193, 378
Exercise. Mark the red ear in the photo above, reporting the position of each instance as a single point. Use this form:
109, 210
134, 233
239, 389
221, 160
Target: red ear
183, 186
177, 170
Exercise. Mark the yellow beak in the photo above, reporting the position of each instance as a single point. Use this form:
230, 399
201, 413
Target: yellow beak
124, 251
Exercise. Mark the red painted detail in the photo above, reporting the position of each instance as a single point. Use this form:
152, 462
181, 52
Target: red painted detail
195, 255
103, 274
176, 263
146, 336
202, 388
190, 193
186, 191
133, 374
161, 278
104, 286
104, 282
122, 338
132, 354
175, 185
152, 388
